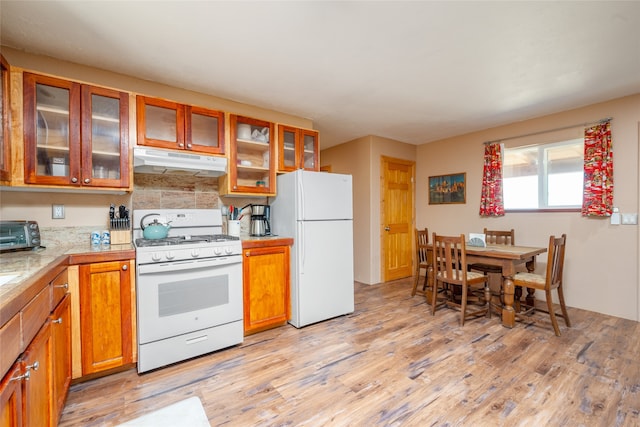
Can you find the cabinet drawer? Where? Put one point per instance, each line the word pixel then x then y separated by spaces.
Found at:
pixel 10 339
pixel 35 314
pixel 59 288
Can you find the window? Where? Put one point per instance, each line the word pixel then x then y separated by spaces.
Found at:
pixel 548 176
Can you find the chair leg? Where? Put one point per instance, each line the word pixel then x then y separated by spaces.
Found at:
pixel 563 307
pixel 415 283
pixel 552 313
pixel 463 305
pixel 487 297
pixel 434 294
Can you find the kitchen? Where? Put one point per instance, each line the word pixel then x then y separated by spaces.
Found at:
pixel 82 209
pixel 137 336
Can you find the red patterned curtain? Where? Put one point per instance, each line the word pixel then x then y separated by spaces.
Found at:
pixel 491 202
pixel 597 198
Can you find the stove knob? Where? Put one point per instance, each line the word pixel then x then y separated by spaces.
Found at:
pixel 170 255
pixel 217 251
pixel 156 256
pixel 228 250
pixel 195 253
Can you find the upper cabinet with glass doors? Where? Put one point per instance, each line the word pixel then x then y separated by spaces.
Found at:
pixel 252 168
pixel 75 134
pixel 168 124
pixel 297 149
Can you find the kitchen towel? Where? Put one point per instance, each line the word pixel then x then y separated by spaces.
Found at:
pixel 186 413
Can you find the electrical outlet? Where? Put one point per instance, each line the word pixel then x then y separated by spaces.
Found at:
pixel 57 211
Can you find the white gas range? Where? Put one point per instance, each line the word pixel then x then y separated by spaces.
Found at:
pixel 189 286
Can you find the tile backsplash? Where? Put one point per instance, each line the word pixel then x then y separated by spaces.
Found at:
pixel 174 192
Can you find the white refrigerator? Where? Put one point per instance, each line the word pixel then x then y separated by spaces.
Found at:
pixel 316 209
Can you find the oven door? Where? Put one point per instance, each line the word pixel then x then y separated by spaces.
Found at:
pixel 179 297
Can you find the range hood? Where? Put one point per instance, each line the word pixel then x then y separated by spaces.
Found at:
pixel 151 160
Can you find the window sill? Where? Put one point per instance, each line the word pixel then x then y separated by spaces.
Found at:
pixel 548 210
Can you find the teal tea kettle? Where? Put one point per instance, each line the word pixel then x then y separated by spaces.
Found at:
pixel 155 229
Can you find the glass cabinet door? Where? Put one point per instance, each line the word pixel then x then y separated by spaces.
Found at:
pixel 310 150
pixel 104 137
pixel 287 149
pixel 160 123
pixel 52 131
pixel 204 130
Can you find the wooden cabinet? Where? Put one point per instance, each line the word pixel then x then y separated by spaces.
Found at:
pixel 106 326
pixel 168 124
pixel 251 158
pixel 36 390
pixel 297 149
pixel 5 131
pixel 11 397
pixel 75 134
pixel 266 287
pixel 60 355
pixel 26 390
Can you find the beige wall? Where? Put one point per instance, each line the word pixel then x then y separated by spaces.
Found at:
pixel 361 158
pixel 601 266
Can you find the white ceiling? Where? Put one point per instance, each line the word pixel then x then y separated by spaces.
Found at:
pixel 414 71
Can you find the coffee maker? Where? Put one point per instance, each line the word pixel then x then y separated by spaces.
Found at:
pixel 260 220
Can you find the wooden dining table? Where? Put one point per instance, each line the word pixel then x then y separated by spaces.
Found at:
pixel 508 258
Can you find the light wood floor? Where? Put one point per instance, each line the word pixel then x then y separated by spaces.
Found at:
pixel 391 363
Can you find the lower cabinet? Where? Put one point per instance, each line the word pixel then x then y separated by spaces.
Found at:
pixel 34 390
pixel 37 387
pixel 106 315
pixel 11 397
pixel 61 354
pixel 266 287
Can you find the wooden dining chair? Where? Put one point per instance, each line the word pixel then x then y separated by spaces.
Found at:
pixel 422 260
pixel 451 271
pixel 495 237
pixel 551 280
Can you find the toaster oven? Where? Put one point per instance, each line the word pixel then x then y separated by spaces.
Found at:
pixel 19 235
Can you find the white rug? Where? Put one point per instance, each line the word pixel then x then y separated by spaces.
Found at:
pixel 187 413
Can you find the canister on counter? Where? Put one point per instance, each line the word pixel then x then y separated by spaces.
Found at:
pixel 105 239
pixel 95 238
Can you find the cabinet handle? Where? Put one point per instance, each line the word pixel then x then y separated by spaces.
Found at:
pixel 74 179
pixel 24 376
pixel 189 145
pixel 181 145
pixel 65 286
pixel 58 320
pixel 125 267
pixel 387 228
pixel 35 366
pixel 87 180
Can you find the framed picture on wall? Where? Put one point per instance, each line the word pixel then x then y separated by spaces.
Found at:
pixel 444 189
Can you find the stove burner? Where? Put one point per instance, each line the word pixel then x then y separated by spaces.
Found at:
pixel 185 240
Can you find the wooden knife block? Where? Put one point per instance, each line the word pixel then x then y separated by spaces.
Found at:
pixel 120 237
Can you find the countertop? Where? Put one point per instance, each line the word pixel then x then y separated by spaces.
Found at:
pixel 249 242
pixel 23 273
